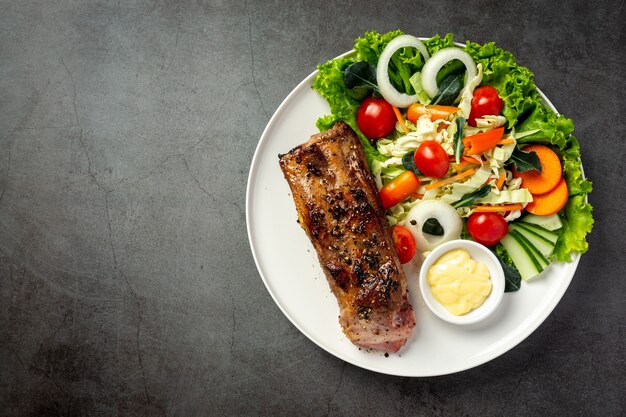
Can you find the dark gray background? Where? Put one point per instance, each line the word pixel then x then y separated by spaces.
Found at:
pixel 127 286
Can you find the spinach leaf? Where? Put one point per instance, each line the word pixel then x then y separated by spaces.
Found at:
pixel 449 89
pixel 458 139
pixel 512 277
pixel 432 227
pixel 453 67
pixel 469 198
pixel 408 162
pixel 525 161
pixel 360 74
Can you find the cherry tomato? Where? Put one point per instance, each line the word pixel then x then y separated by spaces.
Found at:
pixel 404 243
pixel 399 189
pixel 431 159
pixel 487 228
pixel 376 118
pixel 485 102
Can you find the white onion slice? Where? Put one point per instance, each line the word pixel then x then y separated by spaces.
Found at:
pixel 388 91
pixel 438 60
pixel 445 214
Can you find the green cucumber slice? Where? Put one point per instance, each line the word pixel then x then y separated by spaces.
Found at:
pixel 543 245
pixel 550 236
pixel 552 222
pixel 537 256
pixel 521 258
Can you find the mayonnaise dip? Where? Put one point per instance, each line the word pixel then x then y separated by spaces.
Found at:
pixel 458 282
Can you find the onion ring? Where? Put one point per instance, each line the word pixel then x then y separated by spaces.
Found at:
pixel 445 214
pixel 388 91
pixel 438 60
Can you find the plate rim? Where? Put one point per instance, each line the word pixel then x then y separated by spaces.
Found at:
pixel 497 352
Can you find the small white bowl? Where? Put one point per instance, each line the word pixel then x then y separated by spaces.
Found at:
pixel 479 253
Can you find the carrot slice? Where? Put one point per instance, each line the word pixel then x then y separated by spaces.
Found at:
pixel 481 142
pixel 506 142
pixel 550 175
pixel 400 119
pixel 436 112
pixel 500 181
pixel 498 208
pixel 551 202
pixel 463 164
pixel 454 178
pixel 472 160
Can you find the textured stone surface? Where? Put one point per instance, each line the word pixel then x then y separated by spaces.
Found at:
pixel 126 282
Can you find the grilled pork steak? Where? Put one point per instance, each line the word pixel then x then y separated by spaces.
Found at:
pixel 339 209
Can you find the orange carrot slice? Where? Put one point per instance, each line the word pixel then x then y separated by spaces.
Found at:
pixel 498 208
pixel 506 142
pixel 400 119
pixel 463 164
pixel 436 112
pixel 454 178
pixel 472 160
pixel 550 175
pixel 500 181
pixel 481 142
pixel 551 202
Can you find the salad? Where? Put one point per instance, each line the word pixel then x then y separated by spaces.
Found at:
pixel 461 145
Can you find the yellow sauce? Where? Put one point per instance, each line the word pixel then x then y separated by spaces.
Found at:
pixel 458 282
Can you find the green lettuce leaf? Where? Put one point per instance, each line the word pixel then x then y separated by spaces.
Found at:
pixel 576 184
pixel 552 129
pixel 577 222
pixel 577 216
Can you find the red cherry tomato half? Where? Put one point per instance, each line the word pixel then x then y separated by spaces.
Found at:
pixel 487 228
pixel 404 243
pixel 431 159
pixel 376 118
pixel 485 102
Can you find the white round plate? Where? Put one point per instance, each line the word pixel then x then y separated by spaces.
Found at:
pixel 291 272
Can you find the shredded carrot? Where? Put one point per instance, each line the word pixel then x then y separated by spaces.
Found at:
pixel 400 119
pixel 417 195
pixel 498 208
pixel 506 142
pixel 500 182
pixel 454 178
pixel 472 160
pixel 463 164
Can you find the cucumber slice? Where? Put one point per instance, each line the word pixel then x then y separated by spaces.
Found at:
pixel 543 245
pixel 552 222
pixel 538 259
pixel 523 260
pixel 548 235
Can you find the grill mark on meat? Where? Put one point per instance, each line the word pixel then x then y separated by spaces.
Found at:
pixel 339 209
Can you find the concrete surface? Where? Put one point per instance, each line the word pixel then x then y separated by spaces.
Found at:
pixel 127 286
